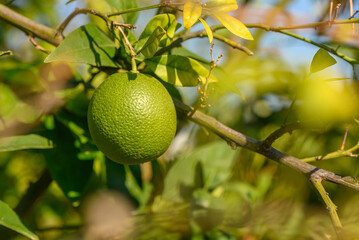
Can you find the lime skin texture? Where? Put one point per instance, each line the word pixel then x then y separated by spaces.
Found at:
pixel 132 118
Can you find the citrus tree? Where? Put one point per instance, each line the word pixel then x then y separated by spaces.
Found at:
pixel 215 119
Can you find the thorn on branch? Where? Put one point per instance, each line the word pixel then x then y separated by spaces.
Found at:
pixel 37 46
pixel 353 15
pixel 231 143
pixel 344 138
pixel 331 12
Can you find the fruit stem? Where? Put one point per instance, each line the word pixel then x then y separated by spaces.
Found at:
pixel 134 65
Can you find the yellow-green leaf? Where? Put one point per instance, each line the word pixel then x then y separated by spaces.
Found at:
pixel 86 44
pixel 9 219
pixel 179 70
pixel 168 22
pixel 191 12
pixel 234 25
pixel 321 60
pixel 208 30
pixel 221 6
pixel 152 43
pixel 30 141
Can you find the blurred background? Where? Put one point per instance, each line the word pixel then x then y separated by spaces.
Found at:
pixel 200 188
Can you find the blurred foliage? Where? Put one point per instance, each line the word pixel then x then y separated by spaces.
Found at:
pixel 201 188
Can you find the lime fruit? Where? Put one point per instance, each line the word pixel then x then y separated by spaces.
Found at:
pixel 132 118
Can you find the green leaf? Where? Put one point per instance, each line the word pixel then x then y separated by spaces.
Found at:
pixel 185 52
pixel 152 43
pixel 168 22
pixel 71 173
pixel 6 53
pixel 142 195
pixel 9 219
pixel 86 44
pixel 234 25
pixel 215 160
pixel 208 30
pixel 178 70
pixel 121 5
pixel 191 12
pixel 223 6
pixel 321 60
pixel 116 176
pixel 31 141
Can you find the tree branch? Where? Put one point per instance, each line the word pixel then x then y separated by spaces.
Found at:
pixel 331 50
pixel 238 139
pixel 336 154
pixel 331 207
pixel 139 9
pixel 302 26
pixel 30 27
pixel 267 143
pixel 78 11
pixel 202 34
pixel 33 193
pixel 293 35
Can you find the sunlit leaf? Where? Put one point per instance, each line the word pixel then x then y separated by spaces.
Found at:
pixel 86 44
pixel 6 53
pixel 191 12
pixel 152 43
pixel 178 70
pixel 208 30
pixel 234 25
pixel 31 141
pixel 9 219
pixel 321 60
pixel 185 52
pixel 168 22
pixel 121 5
pixel 223 6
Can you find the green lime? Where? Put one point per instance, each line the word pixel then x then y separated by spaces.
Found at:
pixel 132 118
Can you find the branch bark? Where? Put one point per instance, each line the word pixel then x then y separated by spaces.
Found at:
pixel 238 139
pixel 30 27
pixel 331 207
pixel 33 193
